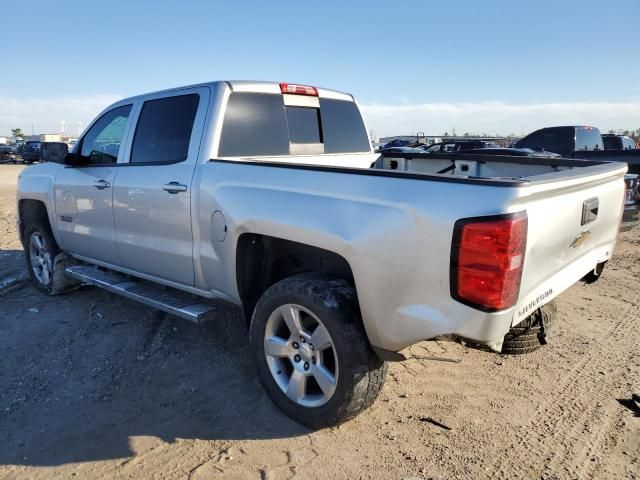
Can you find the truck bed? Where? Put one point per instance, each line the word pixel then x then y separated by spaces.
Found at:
pixel 392 218
pixel 473 166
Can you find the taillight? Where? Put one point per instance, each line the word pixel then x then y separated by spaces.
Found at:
pixel 293 89
pixel 487 256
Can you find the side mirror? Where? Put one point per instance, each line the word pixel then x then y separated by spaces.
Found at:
pixel 55 152
pixel 72 159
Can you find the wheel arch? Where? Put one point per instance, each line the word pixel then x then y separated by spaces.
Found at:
pixel 29 210
pixel 263 260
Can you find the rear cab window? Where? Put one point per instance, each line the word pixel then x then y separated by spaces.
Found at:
pixel 588 138
pixel 269 124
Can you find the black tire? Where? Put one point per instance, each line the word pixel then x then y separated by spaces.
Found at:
pixel 58 282
pixel 527 336
pixel 595 274
pixel 362 373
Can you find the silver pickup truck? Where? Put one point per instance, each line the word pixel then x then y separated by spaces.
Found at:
pixel 269 196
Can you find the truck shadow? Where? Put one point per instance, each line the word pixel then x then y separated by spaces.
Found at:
pixel 85 373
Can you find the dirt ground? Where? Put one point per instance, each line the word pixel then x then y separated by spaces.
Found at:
pixel 95 386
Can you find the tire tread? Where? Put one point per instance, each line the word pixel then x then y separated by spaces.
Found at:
pixel 368 374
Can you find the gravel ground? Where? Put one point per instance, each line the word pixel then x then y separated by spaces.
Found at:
pixel 95 386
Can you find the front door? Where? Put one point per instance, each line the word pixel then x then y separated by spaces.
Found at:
pixel 152 194
pixel 84 194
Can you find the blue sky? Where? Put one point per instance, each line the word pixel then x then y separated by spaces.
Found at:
pixel 494 66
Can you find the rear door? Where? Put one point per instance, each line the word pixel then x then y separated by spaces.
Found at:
pixel 152 193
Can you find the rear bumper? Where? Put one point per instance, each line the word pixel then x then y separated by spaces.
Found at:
pixel 413 323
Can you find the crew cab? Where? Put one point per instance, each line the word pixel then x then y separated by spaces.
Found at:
pixel 268 196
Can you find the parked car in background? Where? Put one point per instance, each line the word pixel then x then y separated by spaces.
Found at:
pixel 583 142
pixel 516 152
pixel 631 214
pixel 457 146
pixel 579 141
pixel 618 142
pixel 8 153
pixel 30 152
pixel 400 150
pixel 393 144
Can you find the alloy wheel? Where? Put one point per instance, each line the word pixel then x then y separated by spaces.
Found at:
pixel 301 355
pixel 40 259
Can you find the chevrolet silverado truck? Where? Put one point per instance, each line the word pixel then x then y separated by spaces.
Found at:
pixel 269 196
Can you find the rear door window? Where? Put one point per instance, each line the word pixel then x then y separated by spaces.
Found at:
pixel 164 130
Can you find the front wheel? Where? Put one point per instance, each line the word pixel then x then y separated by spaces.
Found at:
pixel 312 353
pixel 45 261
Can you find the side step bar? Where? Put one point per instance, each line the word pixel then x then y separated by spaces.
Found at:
pixel 170 300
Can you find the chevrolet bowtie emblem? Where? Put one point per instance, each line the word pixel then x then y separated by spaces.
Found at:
pixel 580 239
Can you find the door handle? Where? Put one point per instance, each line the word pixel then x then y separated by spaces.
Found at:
pixel 101 184
pixel 174 187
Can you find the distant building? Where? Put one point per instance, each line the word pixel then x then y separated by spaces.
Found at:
pixel 43 137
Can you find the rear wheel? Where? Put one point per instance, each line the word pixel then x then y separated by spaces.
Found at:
pixel 531 333
pixel 311 351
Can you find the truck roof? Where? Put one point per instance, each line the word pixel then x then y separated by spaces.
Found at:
pixel 246 86
pixel 569 126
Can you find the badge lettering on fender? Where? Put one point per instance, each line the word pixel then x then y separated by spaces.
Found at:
pixel 66 218
pixel 533 304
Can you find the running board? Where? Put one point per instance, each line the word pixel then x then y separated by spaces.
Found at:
pixel 170 300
